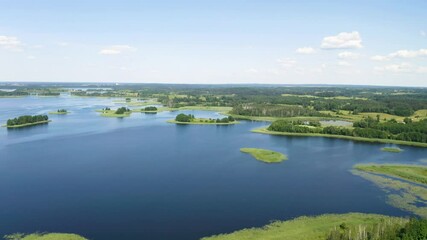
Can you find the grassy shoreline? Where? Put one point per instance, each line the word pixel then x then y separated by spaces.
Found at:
pixel 307 228
pixel 360 139
pixel 412 173
pixel 265 155
pixel 27 124
pixel 197 121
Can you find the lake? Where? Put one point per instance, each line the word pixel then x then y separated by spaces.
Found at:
pixel 143 178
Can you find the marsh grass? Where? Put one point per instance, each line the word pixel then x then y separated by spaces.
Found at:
pixel 391 149
pixel 310 228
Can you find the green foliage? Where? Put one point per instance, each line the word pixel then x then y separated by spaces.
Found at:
pixel 184 117
pixel 62 111
pixel 366 128
pixel 268 110
pixel 122 110
pixel 416 229
pixel 26 119
pixel 150 108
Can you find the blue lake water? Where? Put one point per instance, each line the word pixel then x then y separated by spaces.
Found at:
pixel 143 178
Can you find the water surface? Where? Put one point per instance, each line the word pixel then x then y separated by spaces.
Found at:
pixel 143 178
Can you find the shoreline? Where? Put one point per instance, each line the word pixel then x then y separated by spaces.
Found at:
pixel 200 123
pixel 27 124
pixel 264 130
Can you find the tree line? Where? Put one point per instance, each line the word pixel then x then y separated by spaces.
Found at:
pixel 367 128
pixel 27 119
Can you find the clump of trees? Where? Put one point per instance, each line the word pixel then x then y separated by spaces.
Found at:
pixel 106 109
pixel 386 230
pixel 269 110
pixel 225 119
pixel 184 117
pixel 150 108
pixel 62 111
pixel 122 110
pixel 367 128
pixel 27 119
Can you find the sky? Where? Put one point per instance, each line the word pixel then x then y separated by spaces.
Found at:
pixel 363 42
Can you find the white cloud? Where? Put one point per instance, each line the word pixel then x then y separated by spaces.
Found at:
pixel 343 40
pixel 252 70
pixel 423 33
pixel 380 58
pixel 400 68
pixel 63 44
pixel 409 53
pixel 116 49
pixel 348 55
pixel 305 50
pixel 401 54
pixel 286 62
pixel 344 64
pixel 31 57
pixel 10 43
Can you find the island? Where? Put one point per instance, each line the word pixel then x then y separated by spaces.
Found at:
pixel 59 112
pixel 191 119
pixel 391 149
pixel 265 155
pixel 120 112
pixel 150 109
pixel 26 120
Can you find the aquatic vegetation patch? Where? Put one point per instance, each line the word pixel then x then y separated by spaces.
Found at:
pixel 44 236
pixel 265 155
pixel 391 149
pixel 404 195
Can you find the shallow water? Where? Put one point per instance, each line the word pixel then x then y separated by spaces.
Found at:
pixel 143 178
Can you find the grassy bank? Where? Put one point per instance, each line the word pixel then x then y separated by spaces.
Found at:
pixel 47 236
pixel 413 173
pixel 265 155
pixel 376 140
pixel 201 121
pixel 27 124
pixel 391 149
pixel 308 228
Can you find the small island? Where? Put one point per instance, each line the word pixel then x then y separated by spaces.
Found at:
pixel 391 149
pixel 150 109
pixel 191 119
pixel 265 155
pixel 60 112
pixel 120 112
pixel 26 120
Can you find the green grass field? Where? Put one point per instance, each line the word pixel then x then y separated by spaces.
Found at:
pixel 265 155
pixel 413 173
pixel 27 124
pixel 391 149
pixel 307 228
pixel 201 121
pixel 47 236
pixel 377 140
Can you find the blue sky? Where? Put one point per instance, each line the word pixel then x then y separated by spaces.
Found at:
pixel 286 42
